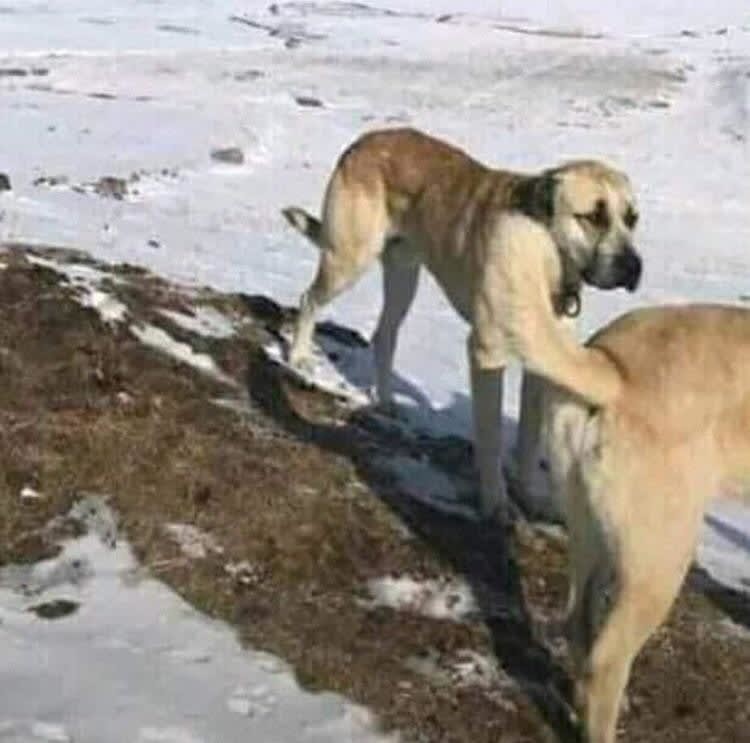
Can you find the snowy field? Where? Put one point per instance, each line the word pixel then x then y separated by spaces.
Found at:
pixel 153 88
pixel 145 91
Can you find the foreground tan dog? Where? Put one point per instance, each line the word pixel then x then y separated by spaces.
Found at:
pixel 670 430
pixel 509 250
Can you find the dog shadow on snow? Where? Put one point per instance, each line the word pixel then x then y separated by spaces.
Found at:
pixel 355 365
pixel 478 551
pixel 734 603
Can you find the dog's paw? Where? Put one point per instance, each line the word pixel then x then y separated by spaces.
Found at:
pixel 302 363
pixel 495 510
pixel 392 410
pixel 386 408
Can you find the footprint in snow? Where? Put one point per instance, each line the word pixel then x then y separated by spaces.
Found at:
pixel 189 655
pixel 34 731
pixel 50 732
pixel 167 735
pixel 255 702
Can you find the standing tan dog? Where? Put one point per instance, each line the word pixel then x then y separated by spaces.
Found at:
pixel 509 250
pixel 670 429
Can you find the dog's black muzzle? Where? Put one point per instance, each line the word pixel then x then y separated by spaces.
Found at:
pixel 628 267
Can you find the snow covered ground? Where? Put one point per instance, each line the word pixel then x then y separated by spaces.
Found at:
pixel 145 91
pixel 153 88
pixel 133 663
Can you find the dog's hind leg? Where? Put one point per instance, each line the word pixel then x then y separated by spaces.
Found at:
pixel 400 278
pixel 592 586
pixel 634 616
pixel 651 553
pixel 334 275
pixel 353 233
pixel 608 668
pixel 591 564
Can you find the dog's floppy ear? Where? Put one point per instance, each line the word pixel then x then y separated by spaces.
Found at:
pixel 534 196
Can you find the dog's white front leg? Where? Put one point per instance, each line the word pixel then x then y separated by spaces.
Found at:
pixel 486 398
pixel 531 446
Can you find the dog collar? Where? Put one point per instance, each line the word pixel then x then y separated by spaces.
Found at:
pixel 568 303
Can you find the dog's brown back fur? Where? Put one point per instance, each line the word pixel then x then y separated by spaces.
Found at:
pixel 431 188
pixel 682 369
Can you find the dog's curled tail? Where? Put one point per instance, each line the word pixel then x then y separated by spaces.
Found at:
pixel 304 222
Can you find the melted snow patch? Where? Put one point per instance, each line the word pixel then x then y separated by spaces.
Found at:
pixel 136 648
pixel 75 272
pixel 86 281
pixel 205 320
pixel 162 341
pixel 29 493
pixel 440 598
pixel 465 668
pixel 193 542
pixel 321 371
pixel 110 310
pixel 474 669
pixel 243 572
pixel 95 514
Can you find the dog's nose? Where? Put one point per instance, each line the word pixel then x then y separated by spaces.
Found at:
pixel 630 268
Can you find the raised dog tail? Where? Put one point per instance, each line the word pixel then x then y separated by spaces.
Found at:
pixel 305 223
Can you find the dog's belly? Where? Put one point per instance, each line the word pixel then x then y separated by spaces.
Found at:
pixel 450 274
pixel 457 293
pixel 450 270
pixel 449 246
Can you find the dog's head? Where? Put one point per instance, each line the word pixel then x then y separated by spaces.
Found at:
pixel 590 211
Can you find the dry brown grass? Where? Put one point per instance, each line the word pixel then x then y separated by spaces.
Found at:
pixel 293 487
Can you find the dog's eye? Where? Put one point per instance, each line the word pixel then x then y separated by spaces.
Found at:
pixel 598 217
pixel 631 218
